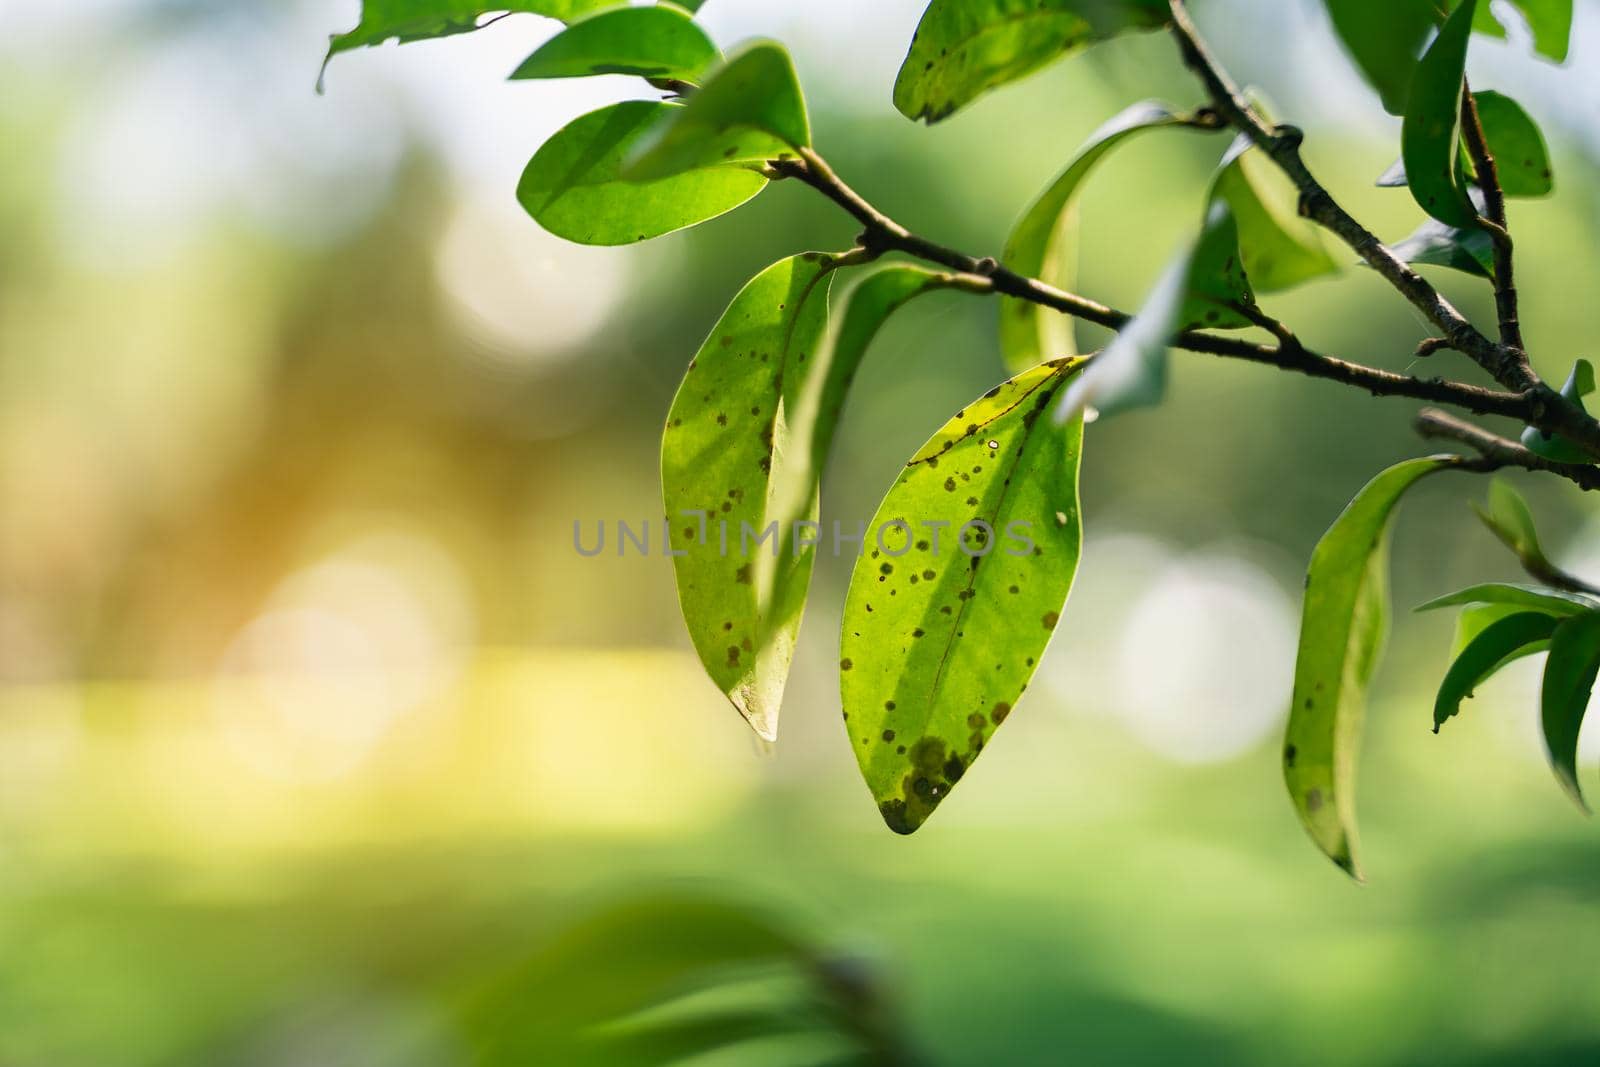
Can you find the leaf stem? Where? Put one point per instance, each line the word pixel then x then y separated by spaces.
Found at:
pixel 1494 203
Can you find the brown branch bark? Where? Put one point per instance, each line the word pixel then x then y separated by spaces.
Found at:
pixel 1494 204
pixel 1497 451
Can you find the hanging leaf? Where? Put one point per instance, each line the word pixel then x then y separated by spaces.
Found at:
pixel 748 111
pixel 964 48
pixel 1279 249
pixel 1569 675
pixel 1201 285
pixel 419 20
pixel 1384 37
pixel 1580 383
pixel 1510 519
pixel 1501 642
pixel 1343 625
pixel 738 475
pixel 574 188
pixel 651 42
pixel 1044 243
pixel 1430 136
pixel 967 565
pixel 1521 157
pixel 1550 22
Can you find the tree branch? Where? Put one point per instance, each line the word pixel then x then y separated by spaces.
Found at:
pixel 1494 203
pixel 1498 451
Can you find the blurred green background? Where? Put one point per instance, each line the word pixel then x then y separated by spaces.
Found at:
pixel 319 744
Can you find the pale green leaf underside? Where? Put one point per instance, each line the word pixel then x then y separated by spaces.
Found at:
pixel 749 110
pixel 941 633
pixel 1580 383
pixel 573 184
pixel 651 42
pixel 1343 624
pixel 1044 244
pixel 1435 244
pixel 419 20
pixel 963 48
pixel 1430 136
pixel 1569 675
pixel 1279 248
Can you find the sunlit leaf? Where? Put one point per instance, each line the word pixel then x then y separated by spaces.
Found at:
pixel 1569 675
pixel 739 481
pixel 1550 601
pixel 749 110
pixel 1044 243
pixel 1430 137
pixel 1550 22
pixel 1501 642
pixel 1343 624
pixel 1279 248
pixel 963 48
pixel 651 42
pixel 1384 37
pixel 967 565
pixel 573 184
pixel 1580 383
pixel 1201 285
pixel 1510 519
pixel 418 20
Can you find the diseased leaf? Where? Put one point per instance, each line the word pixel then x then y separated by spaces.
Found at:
pixel 1550 22
pixel 1202 285
pixel 1569 675
pixel 1384 37
pixel 963 48
pixel 1430 136
pixel 418 20
pixel 739 481
pixel 1279 248
pixel 946 619
pixel 1044 243
pixel 1501 642
pixel 1343 625
pixel 1522 161
pixel 1436 244
pixel 749 110
pixel 1550 601
pixel 1580 383
pixel 573 184
pixel 651 42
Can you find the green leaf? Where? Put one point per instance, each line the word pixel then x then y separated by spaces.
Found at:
pixel 1510 519
pixel 652 42
pixel 691 6
pixel 1435 244
pixel 748 111
pixel 1501 642
pixel 1550 601
pixel 738 448
pixel 1430 136
pixel 419 20
pixel 1343 625
pixel 964 48
pixel 1580 383
pixel 1550 22
pixel 1569 675
pixel 1201 284
pixel 1476 618
pixel 1522 160
pixel 1044 243
pixel 1384 37
pixel 573 184
pixel 1279 248
pixel 945 620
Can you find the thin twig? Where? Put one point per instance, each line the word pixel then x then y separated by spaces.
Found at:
pixel 1494 204
pixel 1499 451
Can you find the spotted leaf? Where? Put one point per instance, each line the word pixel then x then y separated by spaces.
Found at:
pixel 964 572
